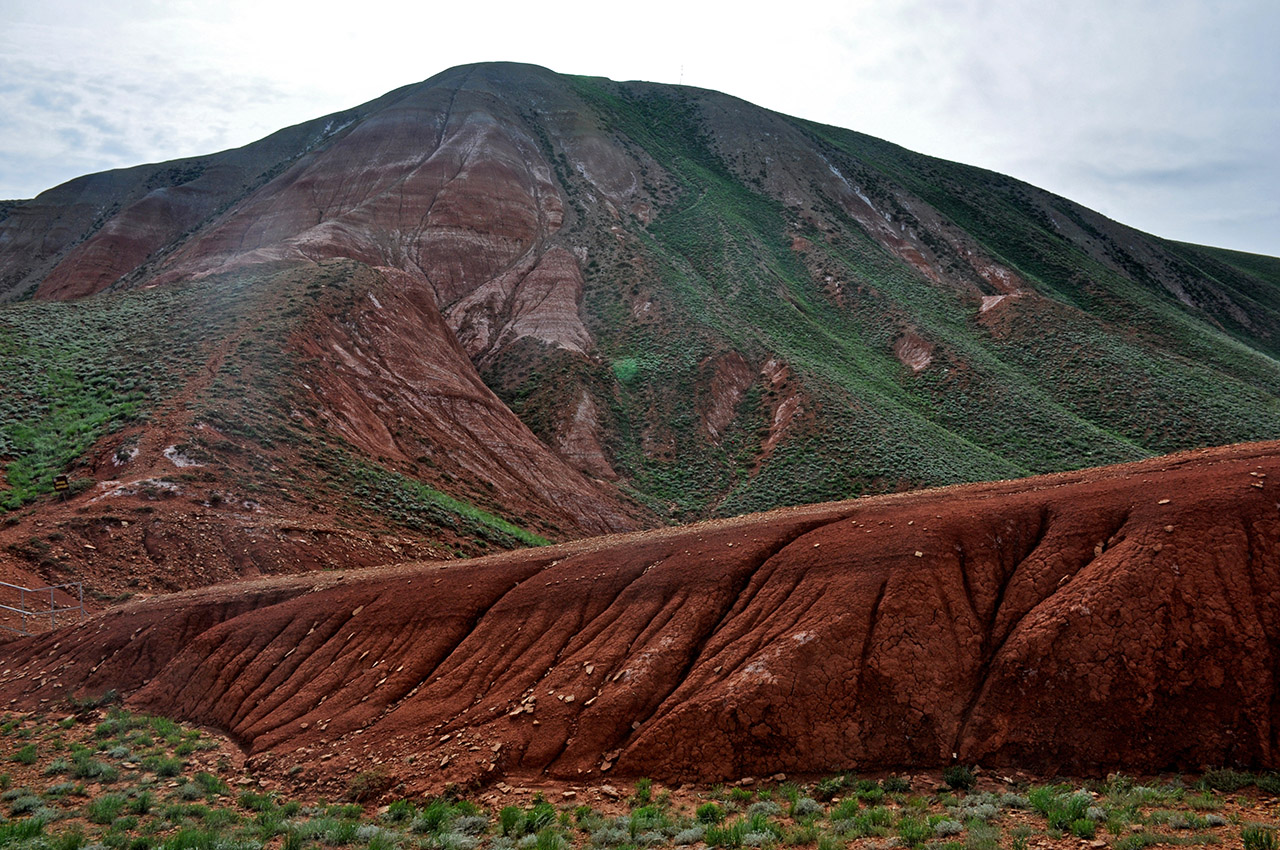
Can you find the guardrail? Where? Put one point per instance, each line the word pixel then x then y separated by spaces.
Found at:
pixel 31 611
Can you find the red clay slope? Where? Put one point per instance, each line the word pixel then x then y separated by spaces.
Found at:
pixel 1117 617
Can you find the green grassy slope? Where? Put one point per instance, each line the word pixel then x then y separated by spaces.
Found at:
pixel 1104 366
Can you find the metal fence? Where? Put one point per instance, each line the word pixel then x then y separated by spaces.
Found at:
pixel 26 610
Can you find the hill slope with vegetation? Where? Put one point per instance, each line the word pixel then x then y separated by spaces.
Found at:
pixel 506 305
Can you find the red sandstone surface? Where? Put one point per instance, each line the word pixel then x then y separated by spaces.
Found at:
pixel 1122 617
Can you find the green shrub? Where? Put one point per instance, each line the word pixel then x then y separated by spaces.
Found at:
pixel 1258 838
pixel 72 839
pixel 511 821
pixel 105 809
pixel 1083 828
pixel 433 817
pixel 846 809
pixel 256 802
pixel 163 765
pixel 828 788
pixel 646 819
pixel 400 811
pixel 959 777
pixel 368 785
pixel 869 791
pixel 1204 802
pixel 210 784
pixel 142 803
pixel 725 835
pixel 1059 807
pixel 550 839
pixel 874 820
pixel 191 839
pixel 25 755
pixel 914 831
pixel 643 791
pixel 1226 779
pixel 84 766
pixel 709 813
pixel 293 840
pixel 18 831
pixel 218 818
pixel 539 817
pixel 340 834
pixel 896 784
pixel 800 834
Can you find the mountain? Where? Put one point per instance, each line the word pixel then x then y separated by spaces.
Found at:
pixel 504 306
pixel 1084 622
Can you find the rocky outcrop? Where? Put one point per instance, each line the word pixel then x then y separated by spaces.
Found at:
pixel 1125 617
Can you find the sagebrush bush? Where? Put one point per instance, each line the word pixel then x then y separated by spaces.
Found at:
pixel 611 835
pixel 805 807
pixel 685 837
pixel 456 841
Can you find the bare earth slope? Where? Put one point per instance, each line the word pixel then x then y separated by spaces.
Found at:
pixel 1126 615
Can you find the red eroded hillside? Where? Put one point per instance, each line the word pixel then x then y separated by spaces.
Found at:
pixel 262 458
pixel 1121 617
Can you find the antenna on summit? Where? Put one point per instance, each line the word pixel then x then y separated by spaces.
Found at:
pixel 682 75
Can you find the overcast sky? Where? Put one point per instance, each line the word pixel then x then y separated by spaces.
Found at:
pixel 1164 115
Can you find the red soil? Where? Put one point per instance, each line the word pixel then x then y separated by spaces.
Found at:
pixel 1118 617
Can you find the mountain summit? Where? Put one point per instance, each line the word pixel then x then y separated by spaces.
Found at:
pixel 505 305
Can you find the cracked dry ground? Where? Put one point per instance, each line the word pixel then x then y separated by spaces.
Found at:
pixel 1122 617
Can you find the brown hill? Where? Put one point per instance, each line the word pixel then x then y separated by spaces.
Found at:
pixel 1125 616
